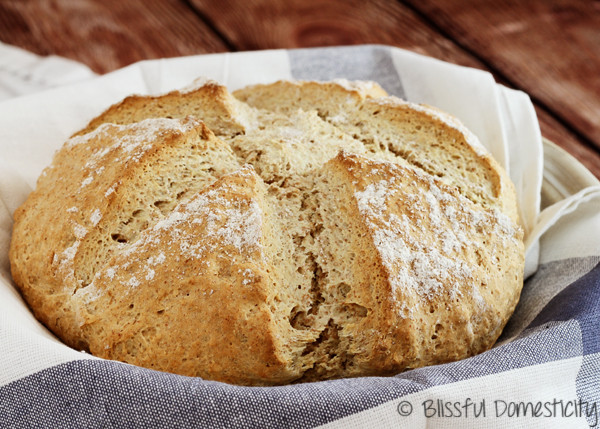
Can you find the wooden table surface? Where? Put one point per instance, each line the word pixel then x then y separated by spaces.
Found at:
pixel 547 48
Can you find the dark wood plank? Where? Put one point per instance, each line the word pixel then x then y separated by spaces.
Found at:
pixel 106 34
pixel 570 142
pixel 550 49
pixel 270 24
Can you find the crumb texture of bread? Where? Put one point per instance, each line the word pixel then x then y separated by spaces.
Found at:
pixel 288 232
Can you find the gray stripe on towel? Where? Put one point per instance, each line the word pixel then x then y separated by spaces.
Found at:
pixel 363 62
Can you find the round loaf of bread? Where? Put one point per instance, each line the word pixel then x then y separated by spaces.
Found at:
pixel 296 231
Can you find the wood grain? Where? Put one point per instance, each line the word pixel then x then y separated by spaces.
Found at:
pixel 554 131
pixel 106 35
pixel 551 49
pixel 269 24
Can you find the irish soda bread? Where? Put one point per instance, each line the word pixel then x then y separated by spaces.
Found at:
pixel 288 232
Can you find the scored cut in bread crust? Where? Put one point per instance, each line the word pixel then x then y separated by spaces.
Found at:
pixel 207 306
pixel 298 231
pixel 424 136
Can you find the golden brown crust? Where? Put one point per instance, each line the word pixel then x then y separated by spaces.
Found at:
pixel 100 190
pixel 199 308
pixel 440 273
pixel 324 97
pixel 208 101
pixel 367 236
